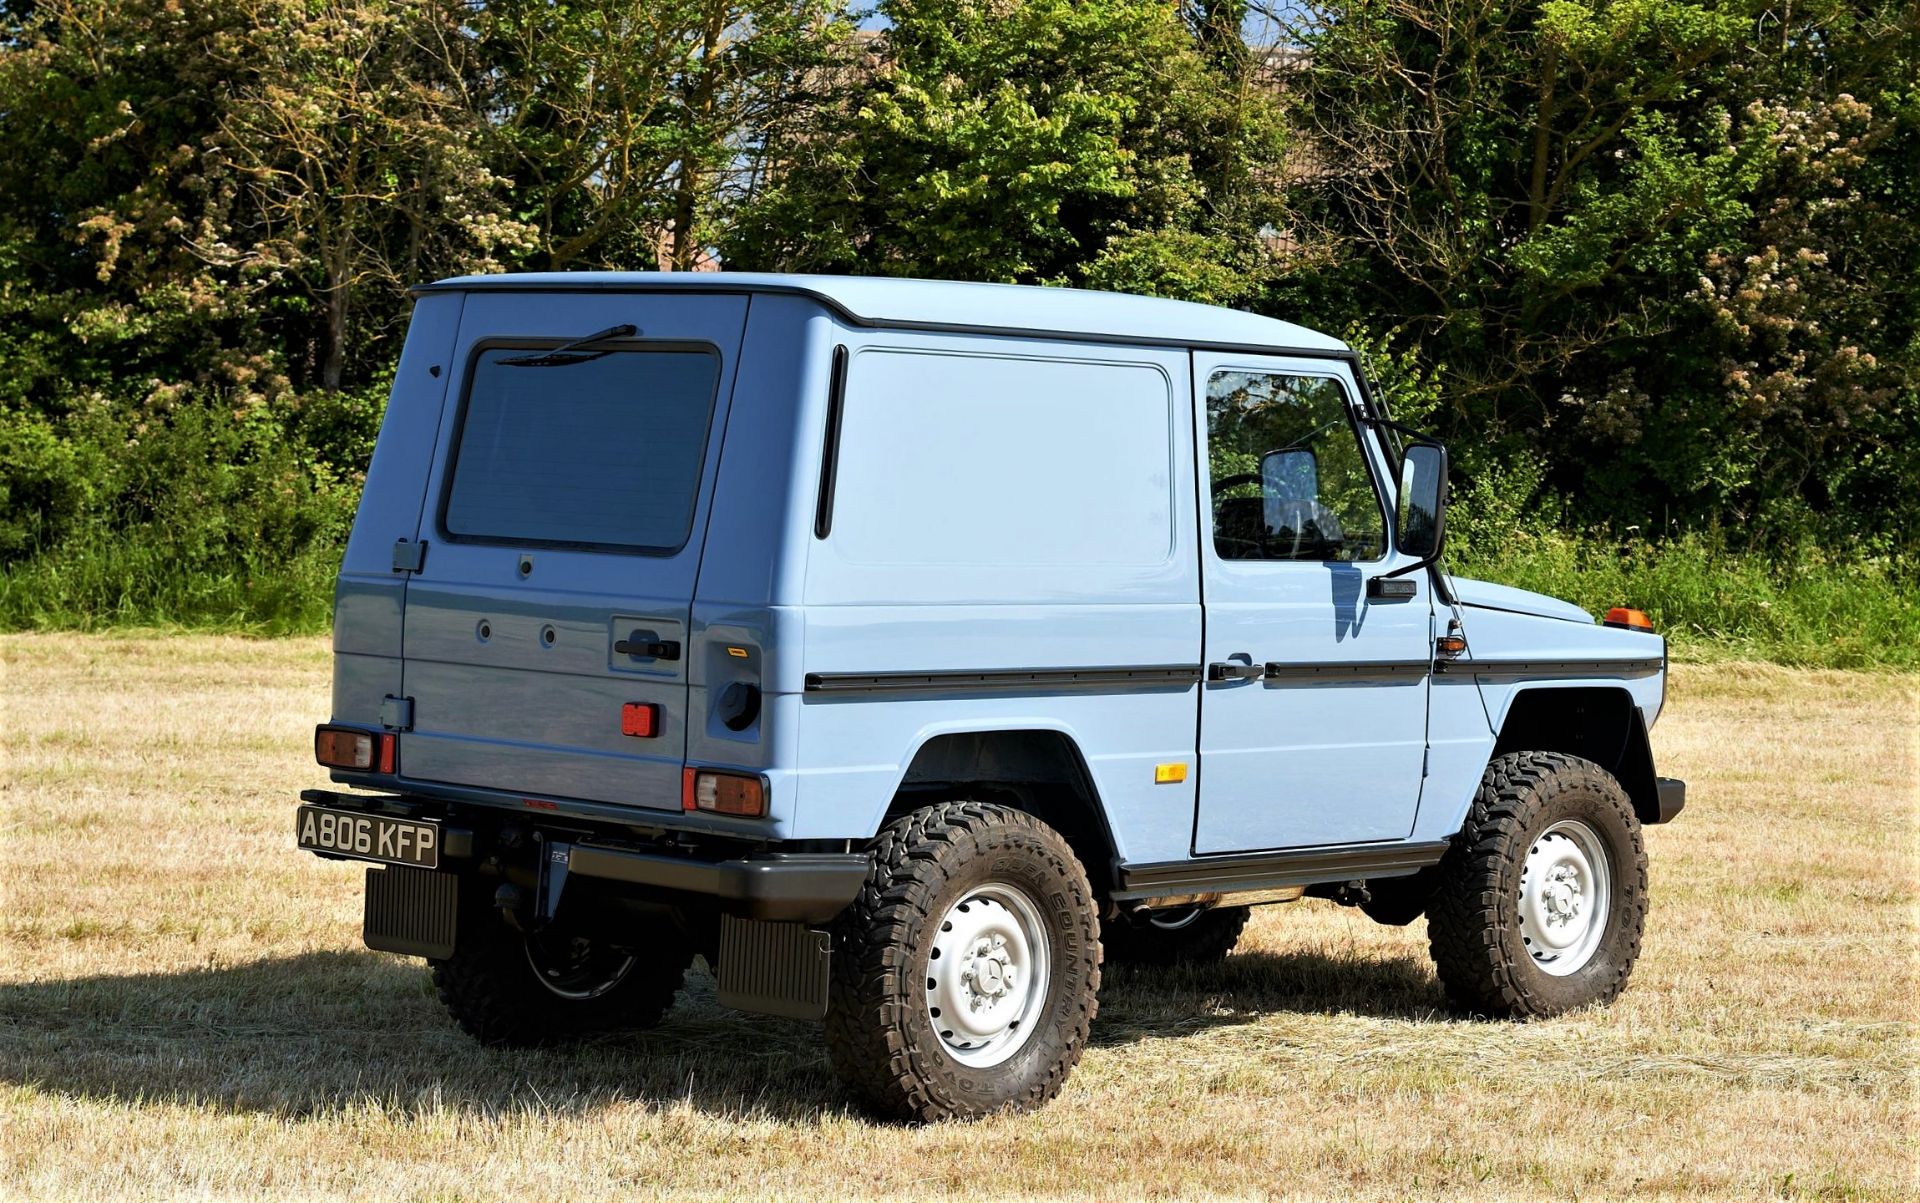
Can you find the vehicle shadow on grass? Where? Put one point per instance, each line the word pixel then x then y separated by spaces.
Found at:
pixel 1147 1002
pixel 329 1032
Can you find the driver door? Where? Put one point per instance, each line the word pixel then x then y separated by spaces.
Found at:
pixel 1313 718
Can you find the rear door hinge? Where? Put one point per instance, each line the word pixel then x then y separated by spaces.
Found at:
pixel 409 556
pixel 396 714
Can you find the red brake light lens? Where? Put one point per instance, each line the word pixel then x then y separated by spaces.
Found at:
pixel 640 720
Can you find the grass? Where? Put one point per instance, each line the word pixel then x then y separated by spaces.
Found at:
pixel 122 581
pixel 1809 609
pixel 186 1011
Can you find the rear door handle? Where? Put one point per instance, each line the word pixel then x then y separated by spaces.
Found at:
pixel 1229 671
pixel 659 649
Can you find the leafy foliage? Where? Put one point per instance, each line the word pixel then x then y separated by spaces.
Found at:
pixel 1649 265
pixel 1665 246
pixel 1040 141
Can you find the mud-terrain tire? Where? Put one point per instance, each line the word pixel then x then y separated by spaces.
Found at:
pixel 496 992
pixel 1549 838
pixel 965 974
pixel 1186 937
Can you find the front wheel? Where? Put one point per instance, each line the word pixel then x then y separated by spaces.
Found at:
pixel 1540 903
pixel 965 973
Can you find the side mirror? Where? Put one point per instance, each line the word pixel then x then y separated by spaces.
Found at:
pixel 1422 527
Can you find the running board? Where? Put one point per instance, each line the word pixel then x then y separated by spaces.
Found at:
pixel 1270 870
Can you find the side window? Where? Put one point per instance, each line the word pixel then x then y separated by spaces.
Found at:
pixel 1290 481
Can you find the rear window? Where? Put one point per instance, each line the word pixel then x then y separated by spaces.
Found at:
pixel 603 451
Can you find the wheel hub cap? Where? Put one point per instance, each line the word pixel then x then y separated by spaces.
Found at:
pixel 1566 888
pixel 987 974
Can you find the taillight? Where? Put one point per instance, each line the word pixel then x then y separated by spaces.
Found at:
pixel 723 793
pixel 641 720
pixel 343 748
pixel 1628 620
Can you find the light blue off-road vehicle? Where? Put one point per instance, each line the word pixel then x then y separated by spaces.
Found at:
pixel 907 648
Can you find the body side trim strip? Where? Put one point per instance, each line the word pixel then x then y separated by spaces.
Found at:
pixel 1355 670
pixel 1014 678
pixel 1554 668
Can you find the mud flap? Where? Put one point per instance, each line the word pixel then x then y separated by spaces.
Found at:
pixel 413 912
pixel 773 968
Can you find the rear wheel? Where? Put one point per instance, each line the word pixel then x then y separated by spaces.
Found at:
pixel 1181 936
pixel 504 987
pixel 1542 899
pixel 965 973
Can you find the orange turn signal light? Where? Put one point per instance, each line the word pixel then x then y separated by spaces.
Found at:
pixel 736 794
pixel 1628 620
pixel 346 748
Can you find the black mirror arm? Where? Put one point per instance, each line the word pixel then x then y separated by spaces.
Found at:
pixel 1418 436
pixel 1409 569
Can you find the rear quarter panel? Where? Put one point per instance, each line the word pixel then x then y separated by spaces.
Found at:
pixel 903 583
pixel 369 594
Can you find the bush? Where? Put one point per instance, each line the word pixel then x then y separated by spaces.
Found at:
pixel 181 511
pixel 1811 607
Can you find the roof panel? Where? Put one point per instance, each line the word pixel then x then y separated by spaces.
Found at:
pixel 950 304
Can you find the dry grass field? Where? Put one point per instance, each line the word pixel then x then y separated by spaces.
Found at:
pixel 186 1010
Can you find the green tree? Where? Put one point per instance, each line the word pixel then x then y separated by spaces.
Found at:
pixel 1034 140
pixel 626 125
pixel 1617 225
pixel 354 159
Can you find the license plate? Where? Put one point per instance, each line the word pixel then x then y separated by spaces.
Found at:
pixel 391 841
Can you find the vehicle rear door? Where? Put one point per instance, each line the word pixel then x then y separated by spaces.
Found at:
pixel 1313 719
pixel 545 637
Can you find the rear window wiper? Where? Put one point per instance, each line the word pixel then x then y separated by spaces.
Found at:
pixel 570 353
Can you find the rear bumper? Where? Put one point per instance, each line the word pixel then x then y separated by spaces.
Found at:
pixel 748 882
pixel 1671 795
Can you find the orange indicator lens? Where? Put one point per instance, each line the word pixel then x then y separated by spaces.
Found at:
pixel 725 794
pixel 343 748
pixel 1629 620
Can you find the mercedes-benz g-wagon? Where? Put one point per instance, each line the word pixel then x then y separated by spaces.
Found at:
pixel 906 648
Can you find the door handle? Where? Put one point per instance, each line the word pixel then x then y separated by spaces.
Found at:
pixel 1229 671
pixel 658 649
pixel 1390 588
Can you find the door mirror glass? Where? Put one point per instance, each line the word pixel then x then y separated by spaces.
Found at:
pixel 1422 528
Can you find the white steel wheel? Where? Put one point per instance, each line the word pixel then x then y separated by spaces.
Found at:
pixel 988 973
pixel 1566 895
